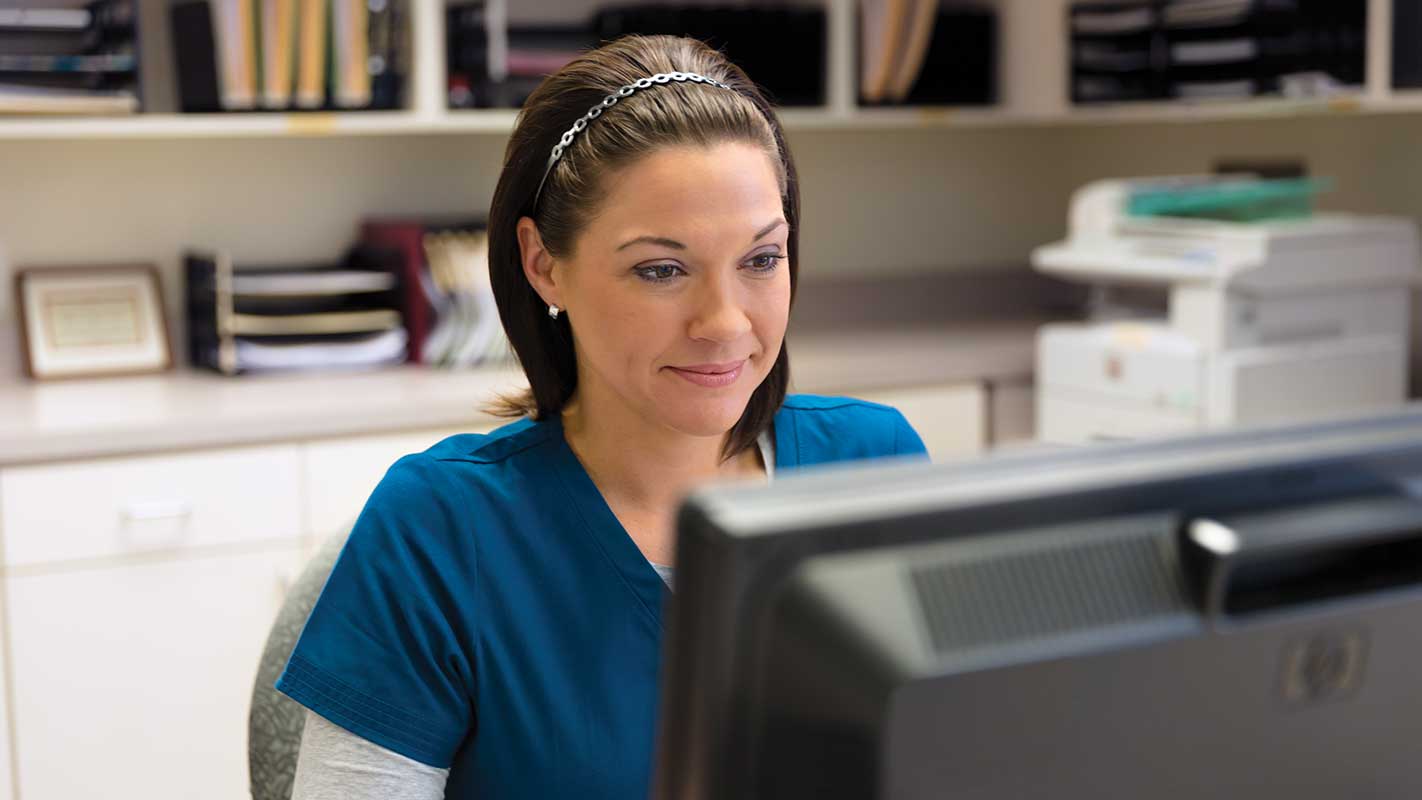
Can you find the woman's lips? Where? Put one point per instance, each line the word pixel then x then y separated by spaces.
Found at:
pixel 711 375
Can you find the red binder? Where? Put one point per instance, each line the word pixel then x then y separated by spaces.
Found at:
pixel 406 235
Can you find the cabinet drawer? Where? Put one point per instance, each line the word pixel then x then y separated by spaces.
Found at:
pixel 340 474
pixel 113 507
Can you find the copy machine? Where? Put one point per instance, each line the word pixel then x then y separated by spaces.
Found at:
pixel 1270 320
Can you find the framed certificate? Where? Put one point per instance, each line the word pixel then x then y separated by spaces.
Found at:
pixel 96 320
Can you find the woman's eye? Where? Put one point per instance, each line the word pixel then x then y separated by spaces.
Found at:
pixel 765 262
pixel 658 273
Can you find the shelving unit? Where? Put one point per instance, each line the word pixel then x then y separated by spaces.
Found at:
pixel 1032 77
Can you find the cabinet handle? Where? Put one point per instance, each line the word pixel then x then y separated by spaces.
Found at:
pixel 153 510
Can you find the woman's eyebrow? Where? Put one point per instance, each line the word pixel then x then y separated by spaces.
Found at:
pixel 661 240
pixel 675 245
pixel 767 229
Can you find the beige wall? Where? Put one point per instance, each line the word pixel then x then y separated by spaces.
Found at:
pixel 881 202
pixel 876 202
pixel 1374 161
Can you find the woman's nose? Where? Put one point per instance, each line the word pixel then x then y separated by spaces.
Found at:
pixel 720 315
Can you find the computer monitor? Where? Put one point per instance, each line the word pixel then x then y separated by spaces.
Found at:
pixel 1232 615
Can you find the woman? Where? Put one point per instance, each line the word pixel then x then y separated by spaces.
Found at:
pixel 492 628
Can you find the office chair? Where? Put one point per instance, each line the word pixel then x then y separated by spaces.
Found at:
pixel 275 721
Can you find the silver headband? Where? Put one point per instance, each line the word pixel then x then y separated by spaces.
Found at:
pixel 608 102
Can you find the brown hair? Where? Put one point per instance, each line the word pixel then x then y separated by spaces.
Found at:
pixel 663 115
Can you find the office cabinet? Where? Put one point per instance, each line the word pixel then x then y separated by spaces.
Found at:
pixel 140 593
pixel 950 418
pixel 133 680
pixel 128 506
pixel 6 772
pixel 140 590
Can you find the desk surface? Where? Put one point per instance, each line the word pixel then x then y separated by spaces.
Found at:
pixel 187 409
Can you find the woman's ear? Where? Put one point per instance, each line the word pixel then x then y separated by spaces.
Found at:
pixel 537 262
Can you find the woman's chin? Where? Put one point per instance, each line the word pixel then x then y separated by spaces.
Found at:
pixel 705 416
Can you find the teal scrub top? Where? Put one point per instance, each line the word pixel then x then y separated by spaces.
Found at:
pixel 490 615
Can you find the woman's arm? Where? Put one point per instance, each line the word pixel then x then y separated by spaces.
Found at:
pixel 335 764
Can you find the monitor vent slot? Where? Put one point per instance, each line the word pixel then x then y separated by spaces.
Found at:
pixel 1005 597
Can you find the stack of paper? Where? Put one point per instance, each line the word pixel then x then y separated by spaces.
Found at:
pixel 300 316
pixel 68 60
pixel 366 351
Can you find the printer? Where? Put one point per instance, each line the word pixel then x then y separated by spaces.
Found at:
pixel 1260 321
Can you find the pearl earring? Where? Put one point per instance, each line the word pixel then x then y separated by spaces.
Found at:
pixel 553 311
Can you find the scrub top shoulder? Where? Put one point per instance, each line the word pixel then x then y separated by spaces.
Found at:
pixel 490 615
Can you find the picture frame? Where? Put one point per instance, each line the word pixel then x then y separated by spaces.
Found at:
pixel 89 321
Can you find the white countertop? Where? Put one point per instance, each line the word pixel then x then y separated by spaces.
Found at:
pixel 188 409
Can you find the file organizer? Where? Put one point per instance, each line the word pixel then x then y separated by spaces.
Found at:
pixel 1117 52
pixel 253 318
pixel 75 59
pixel 1187 49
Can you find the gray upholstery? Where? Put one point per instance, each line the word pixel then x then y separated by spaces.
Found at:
pixel 275 720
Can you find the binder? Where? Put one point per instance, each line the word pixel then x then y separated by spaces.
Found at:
pixel 386 61
pixel 314 37
pixel 917 38
pixel 278 37
pixel 232 22
pixel 249 49
pixel 883 31
pixel 194 37
pixel 405 236
pixel 350 22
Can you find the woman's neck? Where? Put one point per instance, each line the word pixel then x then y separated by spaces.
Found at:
pixel 641 465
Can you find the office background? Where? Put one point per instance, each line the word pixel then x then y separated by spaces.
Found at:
pixel 954 199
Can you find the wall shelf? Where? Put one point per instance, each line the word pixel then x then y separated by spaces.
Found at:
pixel 1032 85
pixel 500 121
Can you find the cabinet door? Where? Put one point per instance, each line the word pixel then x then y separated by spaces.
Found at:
pixel 134 680
pixel 951 419
pixel 6 774
pixel 339 474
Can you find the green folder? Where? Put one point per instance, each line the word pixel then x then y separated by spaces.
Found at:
pixel 1232 201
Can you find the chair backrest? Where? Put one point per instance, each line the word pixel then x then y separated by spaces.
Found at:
pixel 275 721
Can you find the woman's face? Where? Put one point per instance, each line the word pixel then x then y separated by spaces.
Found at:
pixel 678 290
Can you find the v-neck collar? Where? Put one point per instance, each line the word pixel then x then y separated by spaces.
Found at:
pixel 612 539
